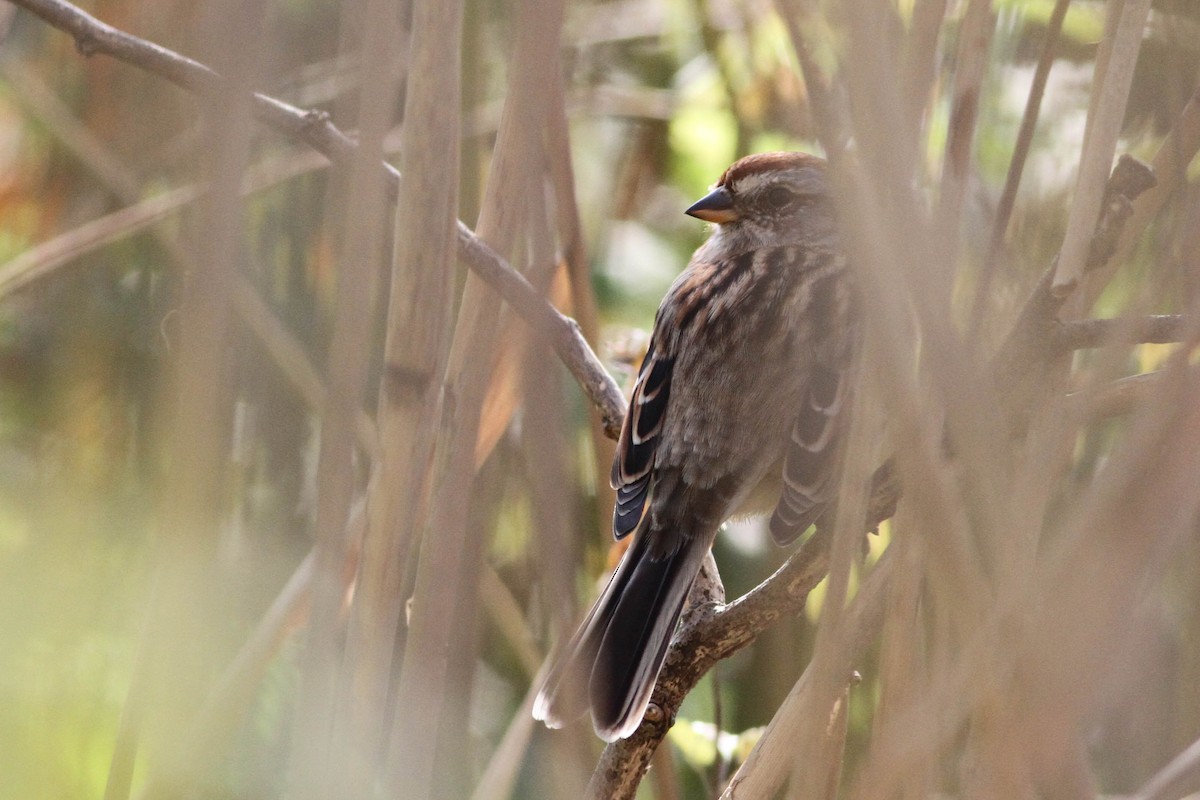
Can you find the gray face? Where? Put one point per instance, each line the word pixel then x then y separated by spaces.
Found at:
pixel 781 206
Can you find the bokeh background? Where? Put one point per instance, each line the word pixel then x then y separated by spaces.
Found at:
pixel 120 614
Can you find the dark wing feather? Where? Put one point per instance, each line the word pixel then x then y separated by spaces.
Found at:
pixel 632 467
pixel 812 455
pixel 612 662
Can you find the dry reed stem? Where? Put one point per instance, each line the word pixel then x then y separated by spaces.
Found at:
pixel 966 96
pixel 438 640
pixel 321 762
pixel 1105 115
pixel 411 397
pixel 1170 162
pixel 1016 165
pixel 920 67
pixel 197 438
pixel 770 762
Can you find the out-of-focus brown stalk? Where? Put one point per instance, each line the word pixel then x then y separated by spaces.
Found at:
pixel 970 68
pixel 1016 166
pixel 197 439
pixel 920 67
pixel 319 757
pixel 583 298
pixel 419 309
pixel 1104 125
pixel 902 667
pixel 1170 167
pixel 771 761
pixel 435 645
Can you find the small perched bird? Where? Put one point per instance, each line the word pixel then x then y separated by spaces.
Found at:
pixel 739 408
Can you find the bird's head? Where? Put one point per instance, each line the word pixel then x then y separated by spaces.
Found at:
pixel 770 198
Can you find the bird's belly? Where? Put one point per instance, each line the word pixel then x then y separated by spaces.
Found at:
pixel 760 497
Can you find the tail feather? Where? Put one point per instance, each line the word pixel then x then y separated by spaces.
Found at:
pixel 612 663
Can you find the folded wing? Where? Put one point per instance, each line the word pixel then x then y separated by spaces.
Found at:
pixel 813 454
pixel 632 469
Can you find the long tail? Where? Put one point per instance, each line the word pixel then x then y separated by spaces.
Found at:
pixel 612 662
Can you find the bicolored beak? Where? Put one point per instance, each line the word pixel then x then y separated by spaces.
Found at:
pixel 716 206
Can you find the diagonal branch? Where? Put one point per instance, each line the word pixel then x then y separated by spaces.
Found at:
pixel 712 631
pixel 315 129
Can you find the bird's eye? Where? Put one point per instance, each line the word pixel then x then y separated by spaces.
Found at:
pixel 781 197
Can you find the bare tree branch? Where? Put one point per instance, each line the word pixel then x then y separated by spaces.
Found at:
pixel 712 631
pixel 315 129
pixel 1089 333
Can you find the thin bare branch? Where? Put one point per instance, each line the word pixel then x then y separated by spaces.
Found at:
pixel 561 332
pixel 712 631
pixel 1089 333
pixel 1104 125
pixel 1016 166
pixel 316 130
